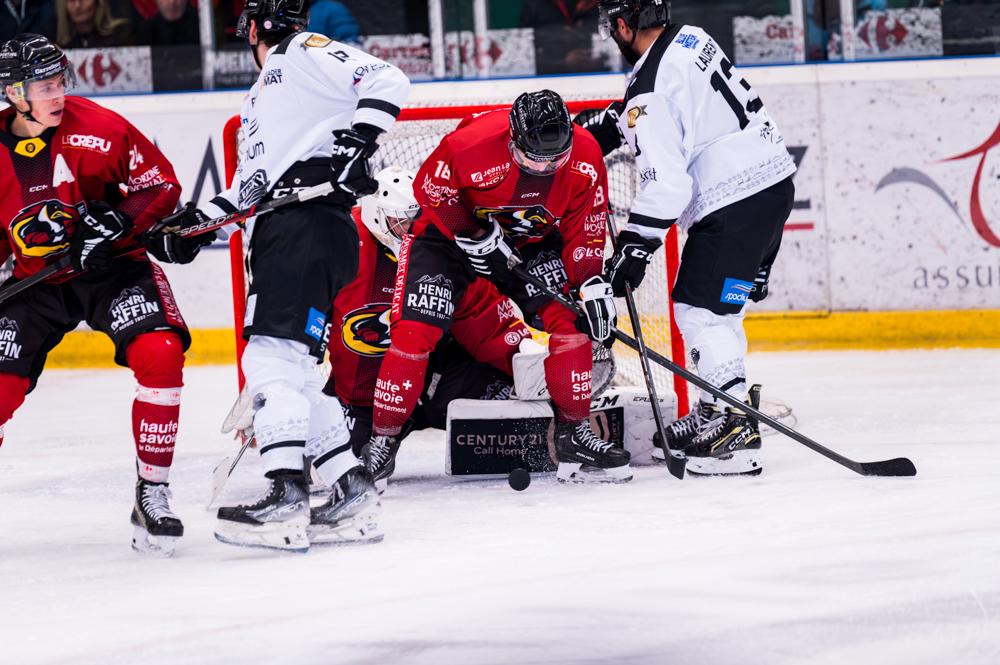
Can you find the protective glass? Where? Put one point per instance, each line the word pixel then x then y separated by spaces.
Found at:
pixel 605 26
pixel 538 166
pixel 52 87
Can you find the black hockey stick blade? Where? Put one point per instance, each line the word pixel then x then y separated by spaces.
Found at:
pixel 900 466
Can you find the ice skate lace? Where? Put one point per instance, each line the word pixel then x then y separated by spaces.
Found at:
pixel 379 451
pixel 156 502
pixel 686 425
pixel 713 430
pixel 587 437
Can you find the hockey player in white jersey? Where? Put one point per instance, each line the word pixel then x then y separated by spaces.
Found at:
pixel 313 115
pixel 709 156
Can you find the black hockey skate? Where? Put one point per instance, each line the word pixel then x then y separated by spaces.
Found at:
pixel 351 514
pixel 379 457
pixel 277 521
pixel 682 431
pixel 727 446
pixel 584 457
pixel 157 528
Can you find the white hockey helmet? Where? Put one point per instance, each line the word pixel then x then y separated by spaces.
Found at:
pixel 389 212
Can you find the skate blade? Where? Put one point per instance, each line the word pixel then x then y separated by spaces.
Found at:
pixel 740 463
pixel 381 484
pixel 658 455
pixel 161 547
pixel 359 530
pixel 287 536
pixel 575 472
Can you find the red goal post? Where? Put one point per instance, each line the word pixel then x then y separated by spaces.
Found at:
pixel 417 132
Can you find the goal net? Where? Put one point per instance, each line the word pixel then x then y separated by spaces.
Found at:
pixel 415 135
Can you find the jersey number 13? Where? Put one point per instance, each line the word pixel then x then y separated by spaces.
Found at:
pixel 724 86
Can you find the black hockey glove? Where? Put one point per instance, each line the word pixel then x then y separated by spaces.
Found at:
pixel 760 284
pixel 350 173
pixel 604 126
pixel 600 314
pixel 99 228
pixel 166 246
pixel 627 266
pixel 490 256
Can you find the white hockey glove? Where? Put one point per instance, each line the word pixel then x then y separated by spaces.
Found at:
pixel 490 256
pixel 599 310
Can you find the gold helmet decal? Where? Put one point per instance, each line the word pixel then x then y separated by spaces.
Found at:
pixel 40 229
pixel 366 330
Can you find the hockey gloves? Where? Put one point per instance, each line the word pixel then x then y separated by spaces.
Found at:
pixel 490 256
pixel 627 266
pixel 350 173
pixel 599 312
pixel 760 284
pixel 604 126
pixel 99 228
pixel 166 246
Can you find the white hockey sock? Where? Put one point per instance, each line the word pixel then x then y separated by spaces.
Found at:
pixel 717 348
pixel 329 441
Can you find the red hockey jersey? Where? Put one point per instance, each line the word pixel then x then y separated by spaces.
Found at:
pixel 470 177
pixel 485 323
pixel 93 155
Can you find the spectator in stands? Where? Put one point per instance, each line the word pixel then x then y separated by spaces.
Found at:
pixel 17 16
pixel 175 24
pixel 563 34
pixel 335 20
pixel 89 24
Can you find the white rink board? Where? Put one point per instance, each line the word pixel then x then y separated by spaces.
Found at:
pixel 850 245
pixel 807 563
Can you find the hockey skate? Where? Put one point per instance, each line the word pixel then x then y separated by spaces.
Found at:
pixel 728 446
pixel 586 458
pixel 682 431
pixel 379 457
pixel 157 528
pixel 277 521
pixel 351 514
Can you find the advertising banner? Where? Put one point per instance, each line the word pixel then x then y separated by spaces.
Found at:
pixel 113 70
pixel 760 41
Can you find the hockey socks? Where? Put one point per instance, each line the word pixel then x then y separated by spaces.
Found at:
pixel 397 389
pixel 12 391
pixel 157 360
pixel 568 370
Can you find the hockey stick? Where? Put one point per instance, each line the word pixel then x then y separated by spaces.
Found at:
pixel 676 462
pixel 900 466
pixel 40 276
pixel 224 469
pixel 167 225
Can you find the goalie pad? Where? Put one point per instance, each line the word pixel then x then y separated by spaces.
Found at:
pixel 529 370
pixel 494 438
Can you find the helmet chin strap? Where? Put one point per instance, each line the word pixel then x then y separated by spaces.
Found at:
pixel 253 50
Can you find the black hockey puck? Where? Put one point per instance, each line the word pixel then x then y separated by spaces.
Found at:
pixel 519 479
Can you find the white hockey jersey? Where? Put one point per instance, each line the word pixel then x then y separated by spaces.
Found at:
pixel 701 136
pixel 309 86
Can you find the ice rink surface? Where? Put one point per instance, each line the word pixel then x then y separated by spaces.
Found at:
pixel 807 563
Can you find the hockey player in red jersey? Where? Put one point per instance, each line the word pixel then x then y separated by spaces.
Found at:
pixel 77 179
pixel 526 186
pixel 473 362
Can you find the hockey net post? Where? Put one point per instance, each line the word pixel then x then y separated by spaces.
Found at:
pixel 414 136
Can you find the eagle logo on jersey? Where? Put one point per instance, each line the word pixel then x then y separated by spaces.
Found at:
pixel 366 330
pixel 532 222
pixel 40 229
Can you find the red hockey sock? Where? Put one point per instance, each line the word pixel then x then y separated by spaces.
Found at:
pixel 157 360
pixel 12 391
pixel 567 372
pixel 401 377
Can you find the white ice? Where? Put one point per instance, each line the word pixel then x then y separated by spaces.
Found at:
pixel 808 563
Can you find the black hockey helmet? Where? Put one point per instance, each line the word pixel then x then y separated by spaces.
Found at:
pixel 541 131
pixel 637 14
pixel 30 57
pixel 273 17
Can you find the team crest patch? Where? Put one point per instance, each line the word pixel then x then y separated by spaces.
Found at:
pixel 40 229
pixel 317 41
pixel 530 222
pixel 365 331
pixel 634 114
pixel 29 147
